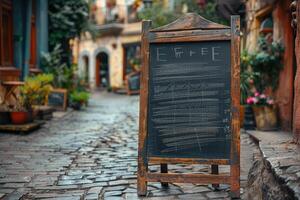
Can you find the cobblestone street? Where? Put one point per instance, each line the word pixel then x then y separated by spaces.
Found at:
pixel 91 154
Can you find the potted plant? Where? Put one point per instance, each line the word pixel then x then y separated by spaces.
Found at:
pixel 20 115
pixel 264 111
pixel 247 79
pixel 265 64
pixel 78 99
pixel 33 92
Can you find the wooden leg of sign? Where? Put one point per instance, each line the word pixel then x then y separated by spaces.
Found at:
pixel 215 170
pixel 164 169
pixel 142 147
pixel 235 93
pixel 142 179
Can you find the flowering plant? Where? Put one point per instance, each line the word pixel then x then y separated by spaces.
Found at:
pixel 260 100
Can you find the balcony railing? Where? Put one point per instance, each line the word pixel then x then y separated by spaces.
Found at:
pixel 118 14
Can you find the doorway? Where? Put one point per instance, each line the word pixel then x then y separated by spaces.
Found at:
pixel 102 70
pixel 86 69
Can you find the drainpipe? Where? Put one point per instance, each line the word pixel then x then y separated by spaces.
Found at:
pixel 27 30
pixel 42 29
pixel 17 32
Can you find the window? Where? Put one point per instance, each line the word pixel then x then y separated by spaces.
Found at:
pixel 32 61
pixel 6 33
pixel 132 58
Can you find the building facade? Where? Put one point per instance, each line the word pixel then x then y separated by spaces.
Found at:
pixel 275 15
pixel 23 38
pixel 106 60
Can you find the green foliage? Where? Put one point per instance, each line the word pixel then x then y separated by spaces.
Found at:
pixel 51 63
pixel 67 20
pixel 35 91
pixel 81 97
pixel 158 14
pixel 247 77
pixel 208 11
pixel 161 16
pixel 261 69
pixel 267 61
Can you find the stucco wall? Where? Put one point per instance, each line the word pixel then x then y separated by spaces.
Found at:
pixel 113 46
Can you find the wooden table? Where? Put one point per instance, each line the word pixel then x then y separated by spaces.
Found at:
pixel 10 87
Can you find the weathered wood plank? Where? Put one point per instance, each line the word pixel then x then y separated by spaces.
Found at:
pixel 235 102
pixel 189 36
pixel 188 178
pixel 142 148
pixel 158 160
pixel 24 128
pixel 164 169
pixel 190 21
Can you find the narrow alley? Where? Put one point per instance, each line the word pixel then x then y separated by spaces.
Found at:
pixel 92 154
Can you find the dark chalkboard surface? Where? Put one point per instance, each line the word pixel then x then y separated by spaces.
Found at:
pixel 189 100
pixel 58 99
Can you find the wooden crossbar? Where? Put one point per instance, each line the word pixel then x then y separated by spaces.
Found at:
pixel 188 178
pixel 159 160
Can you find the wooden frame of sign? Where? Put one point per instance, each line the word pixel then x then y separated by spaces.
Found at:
pixel 190 31
pixel 63 106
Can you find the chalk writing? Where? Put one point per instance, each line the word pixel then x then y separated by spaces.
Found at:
pixel 189 100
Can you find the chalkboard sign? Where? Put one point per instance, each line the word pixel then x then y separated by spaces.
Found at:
pixel 189 103
pixel 58 99
pixel 189 100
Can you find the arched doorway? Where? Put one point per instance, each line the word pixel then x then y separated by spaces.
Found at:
pixel 102 70
pixel 86 69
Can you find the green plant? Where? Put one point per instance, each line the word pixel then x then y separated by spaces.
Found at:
pixel 34 91
pixel 135 63
pixel 67 20
pixel 267 61
pixel 208 11
pixel 63 75
pixel 158 14
pixel 247 77
pixel 81 97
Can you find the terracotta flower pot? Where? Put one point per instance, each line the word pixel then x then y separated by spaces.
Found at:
pixel 265 117
pixel 21 117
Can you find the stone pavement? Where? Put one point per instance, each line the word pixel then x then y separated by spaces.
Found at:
pixel 91 154
pixel 281 158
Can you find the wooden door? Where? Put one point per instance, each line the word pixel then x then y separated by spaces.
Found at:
pixel 98 62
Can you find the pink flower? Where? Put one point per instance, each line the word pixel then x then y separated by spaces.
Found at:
pixel 256 94
pixel 255 100
pixel 251 81
pixel 263 96
pixel 250 100
pixel 270 101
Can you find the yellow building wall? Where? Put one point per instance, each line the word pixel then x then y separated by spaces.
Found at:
pixel 113 46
